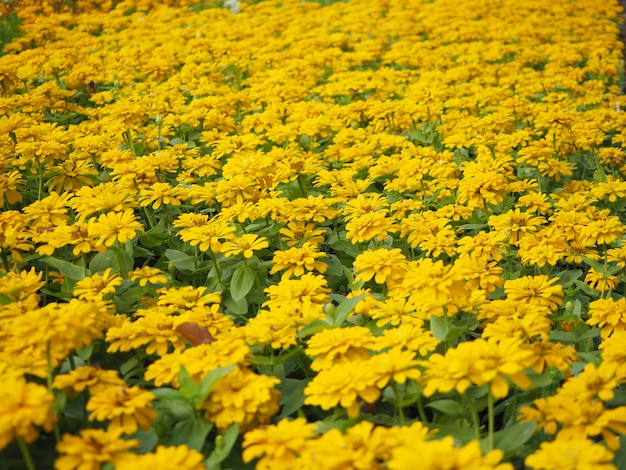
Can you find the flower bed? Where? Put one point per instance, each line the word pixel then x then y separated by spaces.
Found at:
pixel 370 234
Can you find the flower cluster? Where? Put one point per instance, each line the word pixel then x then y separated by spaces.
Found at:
pixel 321 234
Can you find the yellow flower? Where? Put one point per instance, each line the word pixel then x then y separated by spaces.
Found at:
pixel 96 286
pixel 14 237
pixel 481 186
pixel 369 226
pixel 162 193
pixel 480 273
pixel 577 418
pixel 70 174
pixel 242 397
pixel 479 362
pixel 50 211
pixel 445 454
pixel 163 458
pixel 198 361
pixel 55 329
pixel 383 265
pixel 10 184
pixel 604 228
pixel 343 384
pixel 407 336
pixel 298 295
pixel 295 232
pixel 106 197
pixel 246 244
pixel 608 314
pixel 363 446
pixel 81 235
pixel 92 449
pixel 539 250
pixel 278 445
pixel 116 226
pixel 396 365
pixel 535 289
pixel 571 454
pixel 209 235
pixel 433 287
pixel 601 282
pixel 515 224
pixel 24 406
pixel 87 377
pixel 298 260
pixel 155 328
pixel 148 275
pixel 187 298
pixel 20 286
pixel 313 209
pixel 595 382
pixel 339 346
pixel 126 408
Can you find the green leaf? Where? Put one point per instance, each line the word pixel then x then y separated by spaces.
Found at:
pixel 314 327
pixel 463 434
pixel 154 238
pixel 124 263
pixel 147 440
pixel 541 380
pixel 208 382
pixel 242 282
pixel 223 445
pixel 192 432
pixel 188 388
pixel 69 270
pixel 443 330
pixel 567 277
pixel 344 309
pixel 565 337
pixel 620 457
pixel 514 437
pixel 447 407
pixel 590 357
pixel 85 352
pixel 102 261
pixel 473 226
pixel 292 396
pixel 239 307
pixel 5 300
pixel 344 246
pixel 180 409
pixel 129 366
pixel 182 262
pixel 599 267
pixel 166 394
pixel 592 333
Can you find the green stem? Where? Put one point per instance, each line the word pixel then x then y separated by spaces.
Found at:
pixel 399 408
pixel 117 248
pixel 5 261
pixel 148 216
pixel 490 409
pixel 217 267
pixel 39 180
pixel 28 459
pixel 129 141
pixel 84 262
pixel 475 420
pixel 57 434
pixel 420 410
pixel 301 186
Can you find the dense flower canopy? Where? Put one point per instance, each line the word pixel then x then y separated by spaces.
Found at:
pixel 334 234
